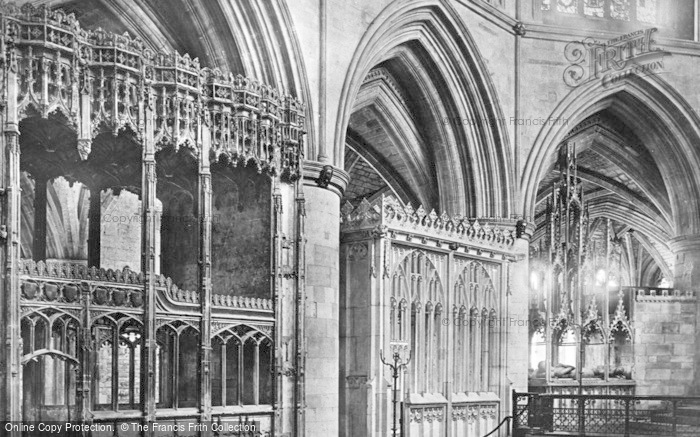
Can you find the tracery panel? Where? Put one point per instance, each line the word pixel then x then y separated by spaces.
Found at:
pixel 177 372
pixel 242 367
pixel 50 364
pixel 417 280
pixel 477 303
pixel 594 8
pixel 117 381
pixel 428 290
pixel 672 20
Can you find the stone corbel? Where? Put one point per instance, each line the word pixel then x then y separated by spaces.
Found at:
pixel 524 229
pixel 325 176
pixel 356 381
pixel 289 371
pixel 519 29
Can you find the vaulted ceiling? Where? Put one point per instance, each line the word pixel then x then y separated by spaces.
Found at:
pixel 386 135
pixel 621 182
pixel 413 81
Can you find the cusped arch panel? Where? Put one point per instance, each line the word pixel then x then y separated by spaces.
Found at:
pixel 417 279
pixel 474 288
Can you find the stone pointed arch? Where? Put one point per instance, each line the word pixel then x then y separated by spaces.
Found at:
pixel 268 48
pixel 475 162
pixel 641 102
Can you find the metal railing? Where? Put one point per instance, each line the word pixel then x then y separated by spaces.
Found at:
pixel 609 415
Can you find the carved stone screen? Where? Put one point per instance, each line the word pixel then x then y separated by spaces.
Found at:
pixel 429 291
pixel 138 230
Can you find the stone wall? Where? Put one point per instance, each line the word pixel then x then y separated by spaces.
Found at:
pixel 179 236
pixel 665 345
pixel 241 232
pixel 356 296
pixel 518 322
pixel 120 235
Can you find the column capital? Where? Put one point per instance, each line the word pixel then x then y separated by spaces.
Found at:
pixel 525 229
pixel 324 175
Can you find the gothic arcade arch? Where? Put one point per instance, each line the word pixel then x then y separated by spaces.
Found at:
pixel 641 102
pixel 472 155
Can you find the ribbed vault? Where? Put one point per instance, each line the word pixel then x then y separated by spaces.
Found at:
pixel 418 105
pixel 660 158
pixel 637 163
